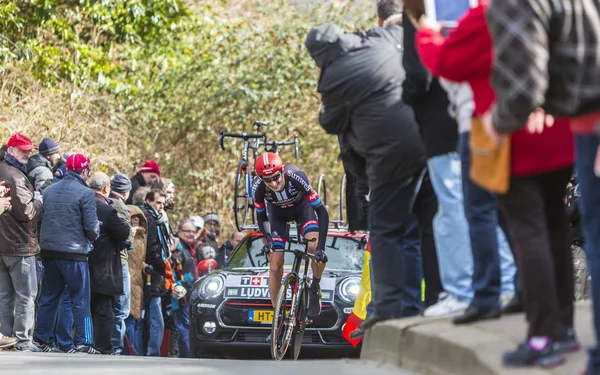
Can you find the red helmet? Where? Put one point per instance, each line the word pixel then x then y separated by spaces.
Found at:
pixel 207 265
pixel 268 164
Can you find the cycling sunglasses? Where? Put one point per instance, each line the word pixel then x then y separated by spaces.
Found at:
pixel 272 179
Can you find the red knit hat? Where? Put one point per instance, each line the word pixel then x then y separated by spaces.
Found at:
pixel 150 167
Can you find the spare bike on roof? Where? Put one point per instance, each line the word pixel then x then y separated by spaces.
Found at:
pixel 243 204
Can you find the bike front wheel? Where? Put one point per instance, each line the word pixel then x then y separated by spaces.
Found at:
pixel 300 317
pixel 284 322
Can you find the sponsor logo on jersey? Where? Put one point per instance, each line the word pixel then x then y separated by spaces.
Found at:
pixel 300 180
pixel 313 197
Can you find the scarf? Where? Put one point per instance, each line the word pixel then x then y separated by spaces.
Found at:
pixel 15 163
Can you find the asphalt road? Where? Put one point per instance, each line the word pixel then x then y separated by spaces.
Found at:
pixel 82 364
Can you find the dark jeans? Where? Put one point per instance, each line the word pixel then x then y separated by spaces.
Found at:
pixel 389 211
pixel 481 210
pixel 589 202
pixel 103 318
pixel 540 231
pixel 412 303
pixel 75 275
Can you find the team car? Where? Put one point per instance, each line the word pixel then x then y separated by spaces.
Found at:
pixel 231 311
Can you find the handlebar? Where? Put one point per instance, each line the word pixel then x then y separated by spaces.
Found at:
pixel 244 136
pixel 275 144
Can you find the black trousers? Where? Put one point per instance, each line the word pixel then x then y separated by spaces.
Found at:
pixel 540 231
pixel 103 319
pixel 389 210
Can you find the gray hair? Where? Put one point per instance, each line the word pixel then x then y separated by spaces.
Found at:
pixel 388 8
pixel 98 180
pixel 184 222
pixel 139 198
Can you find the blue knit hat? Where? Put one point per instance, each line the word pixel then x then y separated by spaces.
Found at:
pixel 48 147
pixel 120 183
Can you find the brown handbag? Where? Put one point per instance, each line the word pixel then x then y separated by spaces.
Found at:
pixel 490 163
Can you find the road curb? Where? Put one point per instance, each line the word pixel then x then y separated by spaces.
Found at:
pixel 438 347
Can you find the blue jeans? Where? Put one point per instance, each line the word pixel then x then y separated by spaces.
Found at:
pixel 450 227
pixel 135 333
pixel 63 333
pixel 589 202
pixel 493 263
pixel 182 321
pixel 157 327
pixel 412 303
pixel 121 312
pixel 76 276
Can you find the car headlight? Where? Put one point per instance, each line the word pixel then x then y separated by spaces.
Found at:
pixel 348 289
pixel 211 287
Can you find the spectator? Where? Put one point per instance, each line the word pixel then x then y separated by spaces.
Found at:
pixel 429 101
pixel 186 273
pixel 69 226
pixel 146 176
pixel 137 266
pixel 580 271
pixel 18 245
pixel 155 256
pixel 106 276
pixel 120 186
pixel 228 247
pixel 541 58
pixel 362 101
pixel 42 165
pixel 169 188
pixel 494 267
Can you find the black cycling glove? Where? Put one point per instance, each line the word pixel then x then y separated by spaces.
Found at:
pixel 320 256
pixel 269 245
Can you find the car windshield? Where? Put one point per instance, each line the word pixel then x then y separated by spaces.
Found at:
pixel 343 253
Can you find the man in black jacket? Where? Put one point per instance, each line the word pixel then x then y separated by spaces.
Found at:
pixel 361 87
pixel 155 256
pixel 106 276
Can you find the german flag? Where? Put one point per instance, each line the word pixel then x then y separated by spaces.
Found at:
pixel 359 312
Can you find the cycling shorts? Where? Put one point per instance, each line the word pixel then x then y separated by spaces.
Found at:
pixel 304 216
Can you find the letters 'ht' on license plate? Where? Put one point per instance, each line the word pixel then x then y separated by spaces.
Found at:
pixel 260 316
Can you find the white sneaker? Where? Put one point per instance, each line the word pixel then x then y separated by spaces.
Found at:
pixel 447 305
pixel 505 299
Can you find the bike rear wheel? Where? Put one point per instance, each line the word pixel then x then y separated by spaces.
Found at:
pixel 284 322
pixel 300 314
pixel 241 200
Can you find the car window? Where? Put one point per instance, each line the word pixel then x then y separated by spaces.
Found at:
pixel 342 252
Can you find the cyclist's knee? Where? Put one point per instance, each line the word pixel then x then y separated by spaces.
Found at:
pixel 276 267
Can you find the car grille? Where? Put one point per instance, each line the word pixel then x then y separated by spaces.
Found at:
pixel 234 313
pixel 310 337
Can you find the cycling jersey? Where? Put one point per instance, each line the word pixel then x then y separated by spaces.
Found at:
pixel 298 202
pixel 297 190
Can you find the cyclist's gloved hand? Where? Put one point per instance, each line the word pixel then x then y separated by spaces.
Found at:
pixel 269 244
pixel 320 256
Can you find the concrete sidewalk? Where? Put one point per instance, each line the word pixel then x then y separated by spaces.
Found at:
pixel 436 346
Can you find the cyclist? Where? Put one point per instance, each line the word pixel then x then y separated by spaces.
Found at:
pixel 289 197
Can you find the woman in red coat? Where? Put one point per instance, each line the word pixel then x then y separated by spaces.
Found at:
pixel 541 165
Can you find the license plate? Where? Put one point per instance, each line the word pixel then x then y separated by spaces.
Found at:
pixel 260 316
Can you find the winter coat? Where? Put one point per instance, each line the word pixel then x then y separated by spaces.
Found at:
pixel 428 99
pixel 40 172
pixel 136 262
pixel 106 272
pixel 466 55
pixel 361 91
pixel 18 236
pixel 154 253
pixel 124 213
pixel 69 219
